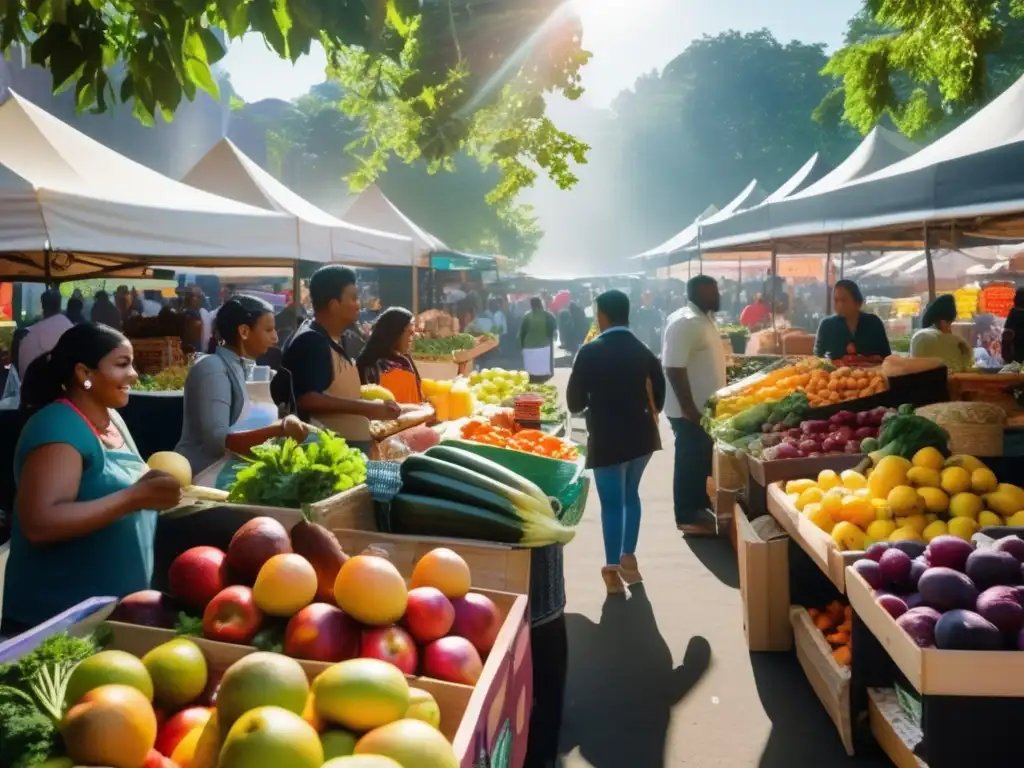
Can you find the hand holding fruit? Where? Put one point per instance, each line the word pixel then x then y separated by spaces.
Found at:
pixel 384 410
pixel 156 490
pixel 293 427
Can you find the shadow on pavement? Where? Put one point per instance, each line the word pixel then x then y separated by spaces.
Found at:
pixel 622 684
pixel 802 732
pixel 717 555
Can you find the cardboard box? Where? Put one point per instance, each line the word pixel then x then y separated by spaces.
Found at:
pixel 723 504
pixel 929 670
pixel 829 679
pixel 764 587
pixel 728 469
pixel 812 540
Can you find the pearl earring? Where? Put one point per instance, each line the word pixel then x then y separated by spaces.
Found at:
pixel 87 384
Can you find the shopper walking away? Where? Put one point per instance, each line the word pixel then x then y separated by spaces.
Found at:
pixel 619 384
pixel 537 339
pixel 694 361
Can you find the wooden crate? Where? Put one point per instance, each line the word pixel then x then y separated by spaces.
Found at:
pixel 154 355
pixel 764 587
pixel 830 680
pixel 812 540
pixel 892 729
pixel 996 674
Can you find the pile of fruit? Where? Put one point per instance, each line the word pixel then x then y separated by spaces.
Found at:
pixel 168 380
pixel 283 473
pixel 169 710
pixel 748 366
pixel 949 594
pixel 908 500
pixel 303 595
pixel 767 387
pixel 483 431
pixel 452 492
pixel 496 386
pixel 835 621
pixel 843 384
pixel 442 347
pixel 844 432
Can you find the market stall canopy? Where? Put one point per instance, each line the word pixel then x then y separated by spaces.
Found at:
pixel 71 208
pixel 752 230
pixel 370 208
pixel 912 266
pixel 226 170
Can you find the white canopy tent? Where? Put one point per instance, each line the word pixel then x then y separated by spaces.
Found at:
pixel 72 208
pixel 225 170
pixel 371 208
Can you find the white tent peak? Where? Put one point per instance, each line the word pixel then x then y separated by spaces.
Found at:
pixel 750 196
pixel 805 176
pixel 372 208
pixel 881 148
pixel 226 170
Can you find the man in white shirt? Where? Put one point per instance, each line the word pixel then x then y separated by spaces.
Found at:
pixel 694 362
pixel 43 336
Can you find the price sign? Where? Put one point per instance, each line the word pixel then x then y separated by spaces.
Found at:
pixel 997 299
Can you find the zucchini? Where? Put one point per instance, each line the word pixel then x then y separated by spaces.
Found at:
pixel 469 476
pixel 441 487
pixel 426 516
pixel 491 469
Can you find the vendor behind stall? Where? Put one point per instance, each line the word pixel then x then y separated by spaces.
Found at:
pixel 385 358
pixel 83 524
pixel 850 331
pixel 216 398
pixel 317 379
pixel 936 337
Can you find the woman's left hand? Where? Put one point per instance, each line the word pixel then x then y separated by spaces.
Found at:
pixel 295 428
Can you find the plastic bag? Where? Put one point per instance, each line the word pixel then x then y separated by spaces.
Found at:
pixel 394 449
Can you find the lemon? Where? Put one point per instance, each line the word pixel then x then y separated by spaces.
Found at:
pixel 1016 519
pixel 955 480
pixel 828 479
pixel 931 517
pixel 880 530
pixel 832 501
pixel 917 522
pixel 903 500
pixel 963 460
pixel 905 534
pixel 933 499
pixel 819 517
pixel 853 480
pixel 809 496
pixel 928 458
pixel 938 528
pixel 963 527
pixel 890 472
pixel 983 481
pixel 799 486
pixel 856 510
pixel 965 505
pixel 848 537
pixel 924 477
pixel 986 519
pixel 882 511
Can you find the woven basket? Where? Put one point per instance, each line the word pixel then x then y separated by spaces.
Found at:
pixel 983 437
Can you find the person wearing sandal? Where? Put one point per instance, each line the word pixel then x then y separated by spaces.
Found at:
pixel 619 384
pixel 694 361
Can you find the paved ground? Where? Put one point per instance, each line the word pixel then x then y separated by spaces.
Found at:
pixel 664 678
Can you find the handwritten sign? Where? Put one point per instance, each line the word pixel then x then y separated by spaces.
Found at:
pixel 997 299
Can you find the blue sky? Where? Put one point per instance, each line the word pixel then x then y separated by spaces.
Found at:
pixel 627 38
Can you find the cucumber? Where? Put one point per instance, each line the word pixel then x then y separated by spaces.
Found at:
pixel 459 473
pixel 426 516
pixel 440 487
pixel 491 469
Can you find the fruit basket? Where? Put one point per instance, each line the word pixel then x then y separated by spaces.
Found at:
pixel 829 679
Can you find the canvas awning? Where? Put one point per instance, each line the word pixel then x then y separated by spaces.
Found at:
pixel 225 170
pixel 73 208
pixel 371 208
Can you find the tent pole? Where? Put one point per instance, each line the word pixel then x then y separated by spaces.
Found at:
pixel 774 271
pixel 415 289
pixel 928 263
pixel 842 261
pixel 829 275
pixel 297 290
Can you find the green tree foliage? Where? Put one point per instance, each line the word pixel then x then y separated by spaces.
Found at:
pixel 730 108
pixel 927 63
pixel 303 144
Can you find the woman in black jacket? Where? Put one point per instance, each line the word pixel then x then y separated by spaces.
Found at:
pixel 620 384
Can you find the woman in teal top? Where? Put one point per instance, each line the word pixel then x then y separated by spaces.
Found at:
pixel 936 337
pixel 850 331
pixel 83 524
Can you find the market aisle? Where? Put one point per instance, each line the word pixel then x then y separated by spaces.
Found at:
pixel 666 679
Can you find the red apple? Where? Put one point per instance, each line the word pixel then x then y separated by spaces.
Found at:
pixel 429 615
pixel 148 608
pixel 322 632
pixel 478 620
pixel 453 659
pixel 232 616
pixel 197 575
pixel 178 727
pixel 392 644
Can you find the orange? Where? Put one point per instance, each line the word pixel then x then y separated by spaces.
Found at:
pixel 285 585
pixel 113 725
pixel 444 569
pixel 371 590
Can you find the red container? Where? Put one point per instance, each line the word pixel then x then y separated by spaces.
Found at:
pixel 527 407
